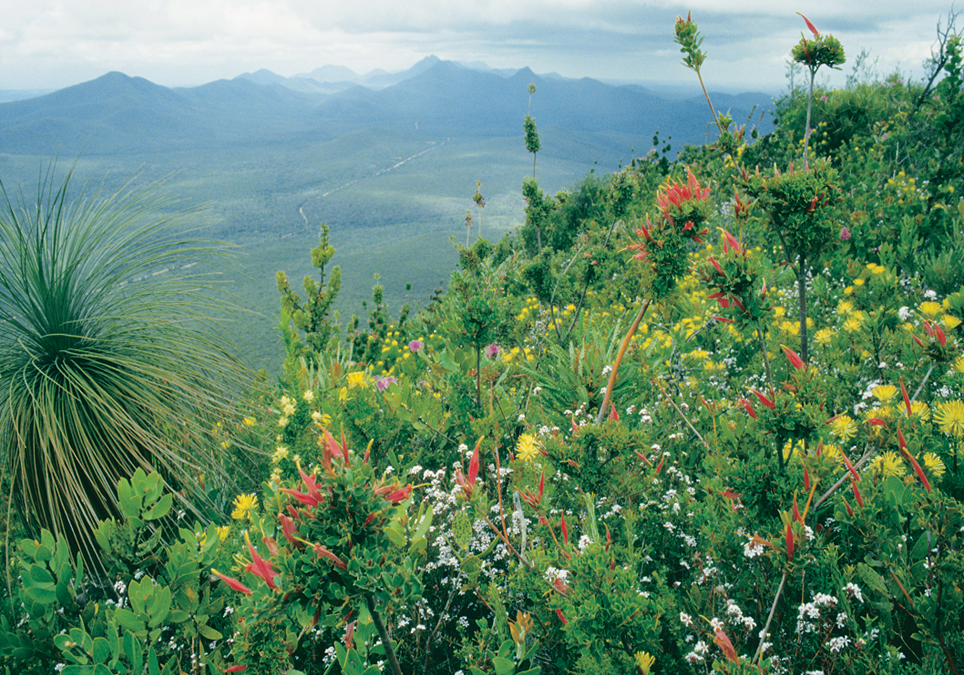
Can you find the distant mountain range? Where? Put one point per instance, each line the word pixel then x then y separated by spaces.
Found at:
pixel 118 114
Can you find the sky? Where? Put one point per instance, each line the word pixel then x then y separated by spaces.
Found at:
pixel 50 44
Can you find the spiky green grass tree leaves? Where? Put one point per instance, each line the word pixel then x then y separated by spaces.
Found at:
pixel 107 363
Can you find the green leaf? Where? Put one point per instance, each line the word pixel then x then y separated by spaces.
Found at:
pixel 101 652
pixel 502 665
pixel 160 509
pixel 209 633
pixel 872 579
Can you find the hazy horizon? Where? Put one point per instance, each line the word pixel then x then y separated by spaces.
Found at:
pixel 49 45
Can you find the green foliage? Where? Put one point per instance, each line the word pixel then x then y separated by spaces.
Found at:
pixel 313 316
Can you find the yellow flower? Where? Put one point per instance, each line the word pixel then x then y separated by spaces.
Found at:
pixel 845 307
pixel 844 428
pixel 959 364
pixel 930 308
pixel 933 465
pixel 644 661
pixel 223 532
pixel 951 322
pixel 823 336
pixel 853 325
pixel 920 410
pixel 527 449
pixel 309 396
pixel 243 506
pixel 950 417
pixel 884 392
pixel 356 380
pixel 280 453
pixel 858 282
pixel 249 421
pixel 888 464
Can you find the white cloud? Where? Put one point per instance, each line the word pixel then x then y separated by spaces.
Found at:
pixel 50 43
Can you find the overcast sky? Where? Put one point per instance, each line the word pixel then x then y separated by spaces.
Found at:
pixel 46 44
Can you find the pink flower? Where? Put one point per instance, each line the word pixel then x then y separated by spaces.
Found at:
pixel 415 345
pixel 844 234
pixel 385 382
pixel 492 350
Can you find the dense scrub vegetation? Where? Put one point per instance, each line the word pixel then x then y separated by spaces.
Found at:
pixel 702 415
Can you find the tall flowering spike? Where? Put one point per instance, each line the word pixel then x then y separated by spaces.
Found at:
pixel 813 29
pixel 232 583
pixel 260 567
pixel 903 392
pixel 793 357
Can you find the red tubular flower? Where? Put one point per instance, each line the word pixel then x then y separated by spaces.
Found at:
pixel 323 552
pixel 764 399
pixel 857 495
pixel 940 335
pixel 288 529
pixel 659 466
pixel 613 415
pixel 850 466
pixel 903 391
pixel 302 497
pixel 260 567
pixel 560 586
pixel 232 583
pixel 236 669
pixel 850 511
pixel 749 408
pixel 561 617
pixel 813 29
pixel 723 642
pixel 715 264
pixel 793 357
pixel 731 240
pixel 468 483
pixel 565 530
pixel 910 458
pixel 796 510
pixel 400 494
pixel 789 542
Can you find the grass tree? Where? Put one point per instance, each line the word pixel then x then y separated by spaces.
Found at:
pixel 106 361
